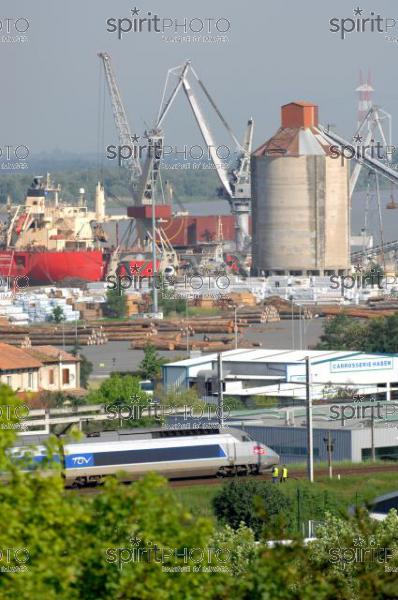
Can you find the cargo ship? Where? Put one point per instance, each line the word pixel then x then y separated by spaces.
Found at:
pixel 47 241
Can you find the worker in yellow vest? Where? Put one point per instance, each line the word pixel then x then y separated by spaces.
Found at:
pixel 275 474
pixel 284 474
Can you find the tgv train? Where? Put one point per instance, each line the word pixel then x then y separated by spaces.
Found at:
pixel 172 453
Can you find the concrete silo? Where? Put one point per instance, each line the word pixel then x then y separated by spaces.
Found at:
pixel 301 212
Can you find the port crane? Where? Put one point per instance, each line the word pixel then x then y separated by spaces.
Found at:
pixel 145 177
pixel 155 143
pixel 367 130
pixel 235 182
pixel 372 120
pixel 119 114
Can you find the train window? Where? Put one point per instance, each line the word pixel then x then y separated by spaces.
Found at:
pixel 246 438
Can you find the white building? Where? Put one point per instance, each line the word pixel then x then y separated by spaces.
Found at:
pixel 282 373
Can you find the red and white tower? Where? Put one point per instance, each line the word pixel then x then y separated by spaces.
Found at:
pixel 365 102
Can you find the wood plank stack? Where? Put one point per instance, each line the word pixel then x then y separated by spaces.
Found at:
pixel 245 297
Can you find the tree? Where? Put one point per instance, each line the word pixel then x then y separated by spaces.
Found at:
pixel 234 403
pixel 257 504
pixel 242 545
pixel 138 542
pixel 179 397
pixel 342 333
pixel 119 389
pixel 86 366
pixel 150 366
pixel 376 335
pixel 57 314
pixel 265 401
pixel 116 304
pixel 123 392
pixel 168 301
pixel 67 548
pixel 371 272
pixel 347 561
pixel 50 399
pixel 169 306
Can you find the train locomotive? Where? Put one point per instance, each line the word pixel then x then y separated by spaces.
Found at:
pixel 172 453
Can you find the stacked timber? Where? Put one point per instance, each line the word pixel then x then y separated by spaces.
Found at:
pixel 356 312
pixel 259 314
pixel 143 330
pixel 384 304
pixel 243 297
pixel 286 309
pixel 212 324
pixel 176 335
pixel 168 344
pixel 156 341
pixel 51 335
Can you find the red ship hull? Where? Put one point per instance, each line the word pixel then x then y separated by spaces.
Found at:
pixel 52 267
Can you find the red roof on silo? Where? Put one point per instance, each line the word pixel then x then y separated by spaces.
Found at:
pixel 299 133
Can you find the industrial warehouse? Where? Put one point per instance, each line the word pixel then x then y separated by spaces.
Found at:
pixel 251 372
pixel 365 424
pixel 351 442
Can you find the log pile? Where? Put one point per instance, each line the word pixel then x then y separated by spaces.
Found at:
pixel 166 334
pixel 172 334
pixel 217 324
pixel 286 309
pixel 259 314
pixel 357 312
pixel 161 343
pixel 390 304
pixel 52 335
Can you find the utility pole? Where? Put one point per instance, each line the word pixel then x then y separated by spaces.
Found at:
pixel 220 400
pixel 298 509
pixel 310 441
pixel 329 446
pixel 236 329
pixel 186 324
pixel 291 299
pixel 300 333
pixel 236 324
pixel 372 435
pixel 154 282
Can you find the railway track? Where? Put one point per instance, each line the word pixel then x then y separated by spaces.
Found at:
pixel 293 474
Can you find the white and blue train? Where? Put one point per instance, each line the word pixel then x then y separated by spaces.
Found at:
pixel 221 452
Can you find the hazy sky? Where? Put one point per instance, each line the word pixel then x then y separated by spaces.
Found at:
pixel 277 51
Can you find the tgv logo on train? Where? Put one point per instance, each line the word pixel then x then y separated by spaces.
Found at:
pixel 80 460
pixel 361 24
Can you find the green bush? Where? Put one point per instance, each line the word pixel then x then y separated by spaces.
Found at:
pixel 265 401
pixel 260 505
pixel 234 403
